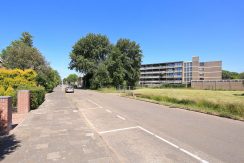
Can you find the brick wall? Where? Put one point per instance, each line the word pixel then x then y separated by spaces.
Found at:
pixel 6 112
pixel 237 85
pixel 23 101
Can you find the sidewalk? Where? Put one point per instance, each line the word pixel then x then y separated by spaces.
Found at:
pixel 55 132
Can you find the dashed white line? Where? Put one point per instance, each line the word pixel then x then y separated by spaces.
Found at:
pixel 99 106
pixel 109 111
pixel 120 129
pixel 147 131
pixel 120 117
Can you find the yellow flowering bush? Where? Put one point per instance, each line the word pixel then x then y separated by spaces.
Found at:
pixel 15 78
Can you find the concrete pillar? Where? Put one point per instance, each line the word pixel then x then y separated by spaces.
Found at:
pixel 23 101
pixel 6 112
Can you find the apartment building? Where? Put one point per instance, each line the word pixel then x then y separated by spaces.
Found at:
pixel 180 72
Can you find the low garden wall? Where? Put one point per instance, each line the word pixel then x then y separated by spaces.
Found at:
pixel 235 85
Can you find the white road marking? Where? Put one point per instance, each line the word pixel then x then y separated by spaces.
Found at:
pixel 173 145
pixel 115 130
pixel 93 108
pixel 99 106
pixel 75 111
pixel 192 155
pixel 147 131
pixel 109 111
pixel 120 117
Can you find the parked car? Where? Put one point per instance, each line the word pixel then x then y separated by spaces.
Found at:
pixel 69 89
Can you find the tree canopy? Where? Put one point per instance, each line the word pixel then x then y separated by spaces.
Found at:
pixel 71 79
pixel 231 75
pixel 105 64
pixel 21 54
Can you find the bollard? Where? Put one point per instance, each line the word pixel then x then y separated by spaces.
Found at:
pixel 6 112
pixel 23 101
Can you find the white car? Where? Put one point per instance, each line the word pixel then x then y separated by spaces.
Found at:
pixel 69 89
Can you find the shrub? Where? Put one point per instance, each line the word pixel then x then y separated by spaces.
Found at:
pixel 37 95
pixel 9 92
pixel 2 90
pixel 172 86
pixel 15 78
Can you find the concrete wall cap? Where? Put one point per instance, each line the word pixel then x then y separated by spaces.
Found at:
pixel 23 90
pixel 4 97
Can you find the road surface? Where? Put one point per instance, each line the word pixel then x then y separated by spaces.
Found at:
pixel 138 131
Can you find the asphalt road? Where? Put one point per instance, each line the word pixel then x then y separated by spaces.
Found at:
pixel 138 131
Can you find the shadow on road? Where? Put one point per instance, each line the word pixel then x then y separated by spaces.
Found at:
pixel 8 144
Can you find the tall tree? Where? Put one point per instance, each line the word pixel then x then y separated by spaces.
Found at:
pixel 27 38
pixel 72 78
pixel 21 54
pixel 132 56
pixel 101 77
pixel 88 53
pixel 115 67
pixel 230 75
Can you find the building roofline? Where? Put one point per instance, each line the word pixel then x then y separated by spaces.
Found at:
pixel 160 63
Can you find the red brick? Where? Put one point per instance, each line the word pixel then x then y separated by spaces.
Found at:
pixel 23 101
pixel 6 111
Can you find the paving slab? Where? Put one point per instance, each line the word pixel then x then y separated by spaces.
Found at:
pixel 55 132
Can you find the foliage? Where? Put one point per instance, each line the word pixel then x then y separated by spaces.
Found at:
pixel 2 90
pixel 101 77
pixel 132 56
pixel 115 67
pixel 104 64
pixel 88 53
pixel 71 79
pixel 9 92
pixel 49 79
pixel 21 54
pixel 241 75
pixel 15 78
pixel 27 38
pixel 230 75
pixel 172 86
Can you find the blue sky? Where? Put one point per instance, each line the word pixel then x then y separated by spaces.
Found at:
pixel 167 30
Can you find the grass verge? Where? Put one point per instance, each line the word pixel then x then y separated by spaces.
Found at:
pixel 107 90
pixel 206 102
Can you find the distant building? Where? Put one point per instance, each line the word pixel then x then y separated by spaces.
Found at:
pixel 180 72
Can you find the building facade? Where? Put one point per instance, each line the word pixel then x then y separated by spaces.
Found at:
pixel 180 72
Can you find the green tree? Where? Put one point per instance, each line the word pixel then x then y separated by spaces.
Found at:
pixel 19 55
pixel 101 77
pixel 241 75
pixel 72 78
pixel 229 75
pixel 132 56
pixel 27 39
pixel 88 53
pixel 22 55
pixel 115 67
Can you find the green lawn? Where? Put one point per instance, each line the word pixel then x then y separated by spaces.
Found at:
pixel 223 103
